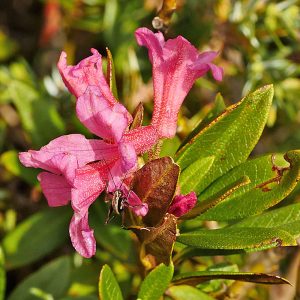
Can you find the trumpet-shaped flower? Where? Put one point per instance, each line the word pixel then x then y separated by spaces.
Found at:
pixel 79 169
pixel 176 64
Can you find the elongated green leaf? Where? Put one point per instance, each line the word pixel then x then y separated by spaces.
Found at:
pixel 217 198
pixel 227 138
pixel 169 146
pixel 10 161
pixel 194 278
pixel 38 113
pixel 184 292
pixel 193 175
pixel 286 218
pixel 269 184
pixel 217 109
pixel 237 238
pixel 52 279
pixel 2 275
pixel 37 236
pixel 108 286
pixel 84 279
pixel 156 282
pixel 188 252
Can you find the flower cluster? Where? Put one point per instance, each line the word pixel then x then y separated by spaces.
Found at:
pixel 78 170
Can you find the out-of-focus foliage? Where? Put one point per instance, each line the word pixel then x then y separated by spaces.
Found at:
pixel 259 44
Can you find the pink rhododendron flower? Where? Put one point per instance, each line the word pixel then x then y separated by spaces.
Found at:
pixel 182 204
pixel 176 66
pixel 78 170
pixel 73 172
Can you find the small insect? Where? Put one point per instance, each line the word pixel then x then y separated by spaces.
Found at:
pixel 117 204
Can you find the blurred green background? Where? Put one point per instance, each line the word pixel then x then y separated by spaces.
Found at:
pixel 259 43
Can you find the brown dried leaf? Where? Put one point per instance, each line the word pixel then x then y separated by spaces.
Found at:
pixel 155 184
pixel 138 116
pixel 157 242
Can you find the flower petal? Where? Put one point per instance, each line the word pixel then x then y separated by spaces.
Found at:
pixel 142 138
pixel 108 122
pixel 123 166
pixel 176 65
pixel 55 188
pixel 82 236
pixel 89 183
pixel 216 71
pixel 153 41
pixel 136 205
pixel 181 204
pixel 87 72
pixel 77 145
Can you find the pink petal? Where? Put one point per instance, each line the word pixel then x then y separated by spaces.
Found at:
pixel 89 183
pixel 77 145
pixel 133 202
pixel 181 204
pixel 82 236
pixel 176 65
pixel 123 166
pixel 136 205
pixel 55 188
pixel 216 71
pixel 142 138
pixel 86 73
pixel 102 119
pixel 153 41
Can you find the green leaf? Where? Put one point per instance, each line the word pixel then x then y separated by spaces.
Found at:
pixel 189 252
pixel 192 176
pixel 217 109
pixel 194 278
pixel 11 162
pixel 207 204
pixel 156 282
pixel 184 292
pixel 36 237
pixel 52 279
pixel 84 279
pixel 37 112
pixel 227 138
pixel 2 275
pixel 286 218
pixel 269 184
pixel 108 286
pixel 169 146
pixel 237 238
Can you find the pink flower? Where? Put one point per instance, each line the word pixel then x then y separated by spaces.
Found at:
pixel 182 204
pixel 176 66
pixel 78 169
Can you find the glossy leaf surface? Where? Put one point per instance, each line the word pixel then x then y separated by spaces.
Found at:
pixel 227 138
pixel 237 238
pixel 183 292
pixel 36 237
pixel 268 185
pixel 194 278
pixel 52 279
pixel 108 286
pixel 156 282
pixel 286 218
